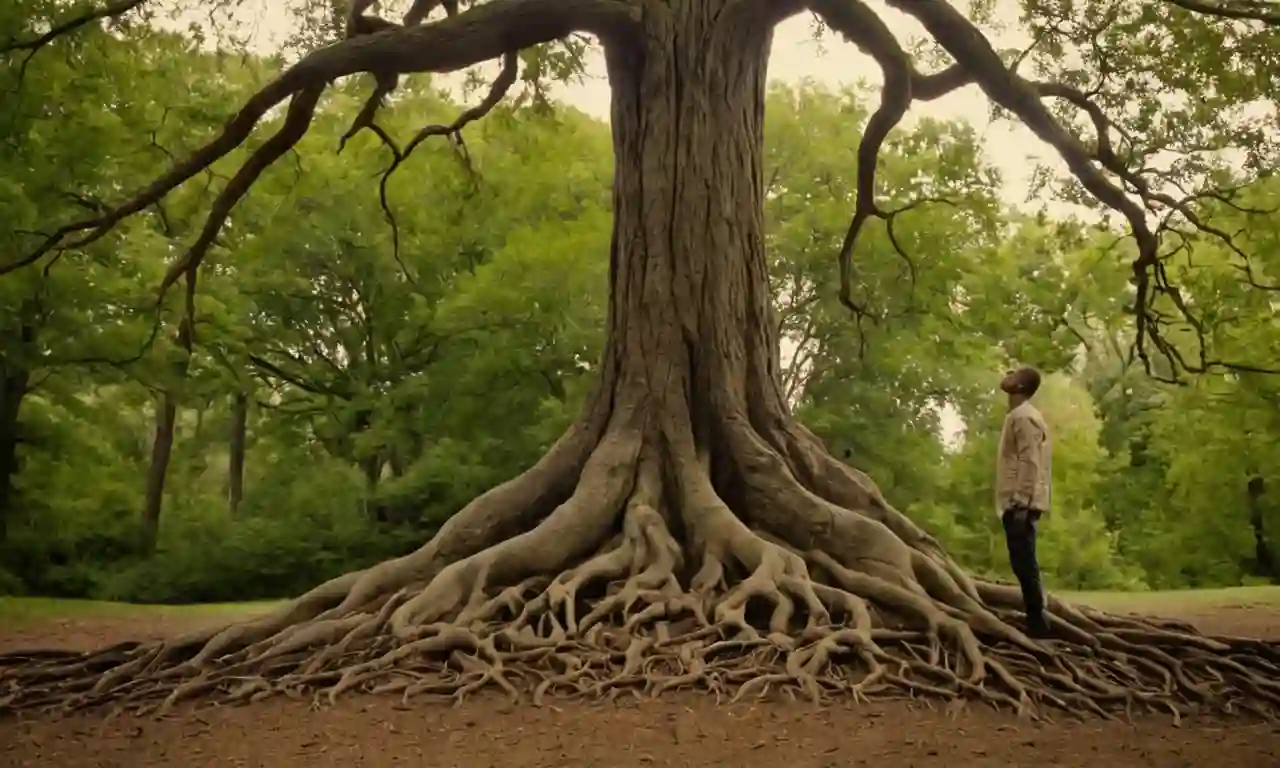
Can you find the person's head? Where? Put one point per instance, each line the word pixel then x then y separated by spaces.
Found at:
pixel 1020 384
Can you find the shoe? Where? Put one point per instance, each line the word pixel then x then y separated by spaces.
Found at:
pixel 1038 629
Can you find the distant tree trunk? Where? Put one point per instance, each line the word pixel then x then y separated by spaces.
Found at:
pixel 370 466
pixel 15 385
pixel 1264 562
pixel 372 469
pixel 396 458
pixel 161 450
pixel 162 446
pixel 235 469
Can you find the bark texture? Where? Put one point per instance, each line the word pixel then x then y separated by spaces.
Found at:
pixel 687 531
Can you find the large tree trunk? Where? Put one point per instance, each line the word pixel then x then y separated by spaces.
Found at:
pixel 686 531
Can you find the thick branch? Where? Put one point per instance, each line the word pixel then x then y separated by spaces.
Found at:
pixel 978 62
pixel 296 123
pixel 1249 10
pixel 974 52
pixel 420 9
pixel 1105 154
pixel 358 23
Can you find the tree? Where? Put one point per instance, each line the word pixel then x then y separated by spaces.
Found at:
pixel 59 322
pixel 237 444
pixel 687 530
pixel 361 333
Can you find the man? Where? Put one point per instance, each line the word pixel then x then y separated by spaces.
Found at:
pixel 1023 488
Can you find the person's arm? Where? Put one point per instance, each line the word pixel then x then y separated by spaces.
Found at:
pixel 1026 444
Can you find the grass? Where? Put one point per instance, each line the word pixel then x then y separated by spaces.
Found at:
pixel 1175 601
pixel 23 610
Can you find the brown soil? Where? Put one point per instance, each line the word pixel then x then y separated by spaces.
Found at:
pixel 674 730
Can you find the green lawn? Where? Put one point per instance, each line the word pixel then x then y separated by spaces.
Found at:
pixel 1175 601
pixel 19 610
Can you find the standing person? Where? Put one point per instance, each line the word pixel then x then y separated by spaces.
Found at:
pixel 1023 488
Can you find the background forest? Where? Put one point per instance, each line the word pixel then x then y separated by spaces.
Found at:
pixel 349 384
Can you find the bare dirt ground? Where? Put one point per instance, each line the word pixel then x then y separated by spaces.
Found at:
pixel 674 730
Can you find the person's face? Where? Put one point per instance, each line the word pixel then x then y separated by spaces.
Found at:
pixel 1011 383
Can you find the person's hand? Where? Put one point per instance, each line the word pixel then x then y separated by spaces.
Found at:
pixel 1018 513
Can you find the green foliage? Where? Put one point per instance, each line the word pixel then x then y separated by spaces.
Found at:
pixel 390 381
pixel 205 556
pixel 889 418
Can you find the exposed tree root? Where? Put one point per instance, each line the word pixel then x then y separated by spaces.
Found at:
pixel 644 580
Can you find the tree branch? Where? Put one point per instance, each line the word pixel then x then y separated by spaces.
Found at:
pixel 1106 156
pixel 497 91
pixel 360 24
pixel 33 45
pixel 420 9
pixel 483 33
pixel 297 120
pixel 1238 10
pixel 971 49
pixel 296 380
pixel 979 63
pixel 36 44
pixel 902 83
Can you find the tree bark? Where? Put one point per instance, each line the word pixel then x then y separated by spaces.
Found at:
pixel 690 329
pixel 692 332
pixel 158 471
pixel 235 462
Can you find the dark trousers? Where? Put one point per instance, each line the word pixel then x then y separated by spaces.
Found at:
pixel 1020 535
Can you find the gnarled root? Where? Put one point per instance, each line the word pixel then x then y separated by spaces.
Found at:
pixel 644 579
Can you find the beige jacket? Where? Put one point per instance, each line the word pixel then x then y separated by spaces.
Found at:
pixel 1024 463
